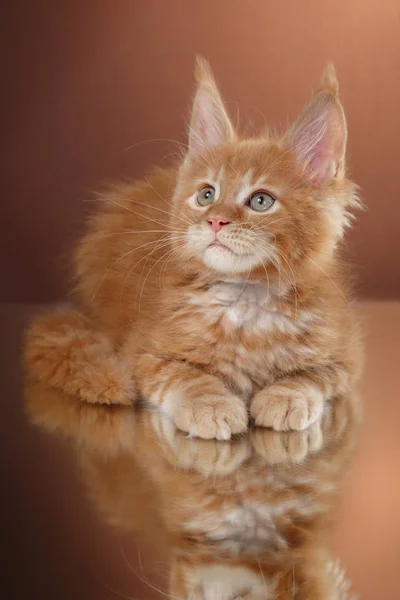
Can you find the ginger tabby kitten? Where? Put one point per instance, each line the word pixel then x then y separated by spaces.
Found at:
pixel 213 289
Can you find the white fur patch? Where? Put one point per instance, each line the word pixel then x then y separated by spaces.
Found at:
pixel 212 179
pixel 169 400
pixel 225 582
pixel 239 259
pixel 225 261
pixel 246 188
pixel 250 187
pixel 248 305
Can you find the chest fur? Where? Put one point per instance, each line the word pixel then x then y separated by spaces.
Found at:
pixel 240 331
pixel 248 308
pixel 247 328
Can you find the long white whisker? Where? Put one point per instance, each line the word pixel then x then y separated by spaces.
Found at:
pixel 267 246
pixel 168 155
pixel 163 270
pixel 263 577
pixel 144 231
pixel 118 260
pixel 149 255
pixel 133 211
pixel 185 218
pixel 117 593
pixel 166 240
pixel 143 577
pixel 259 225
pixel 163 245
pixel 142 142
pixel 233 271
pixel 266 273
pixel 147 276
pixel 281 255
pixel 244 283
pixel 326 275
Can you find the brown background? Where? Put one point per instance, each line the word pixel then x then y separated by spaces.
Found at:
pixel 84 80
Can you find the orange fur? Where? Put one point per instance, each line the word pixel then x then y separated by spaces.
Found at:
pixel 213 323
pixel 251 518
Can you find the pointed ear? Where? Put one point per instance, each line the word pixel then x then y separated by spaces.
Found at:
pixel 209 123
pixel 319 135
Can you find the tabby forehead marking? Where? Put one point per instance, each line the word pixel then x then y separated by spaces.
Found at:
pixel 213 179
pixel 250 186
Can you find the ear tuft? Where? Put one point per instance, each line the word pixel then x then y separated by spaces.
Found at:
pixel 329 80
pixel 319 135
pixel 209 123
pixel 202 71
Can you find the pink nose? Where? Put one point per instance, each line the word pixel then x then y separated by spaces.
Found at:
pixel 217 223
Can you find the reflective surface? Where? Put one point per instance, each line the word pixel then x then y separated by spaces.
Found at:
pixel 251 518
pixel 57 544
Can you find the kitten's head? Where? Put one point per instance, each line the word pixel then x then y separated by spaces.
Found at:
pixel 250 207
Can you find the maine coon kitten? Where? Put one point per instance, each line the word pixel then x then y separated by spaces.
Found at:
pixel 213 288
pixel 248 519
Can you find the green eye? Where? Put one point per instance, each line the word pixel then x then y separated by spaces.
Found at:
pixel 206 196
pixel 261 201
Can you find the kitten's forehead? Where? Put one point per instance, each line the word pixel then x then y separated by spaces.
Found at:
pixel 245 170
pixel 248 162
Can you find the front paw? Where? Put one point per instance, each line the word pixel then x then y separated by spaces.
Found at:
pixel 212 417
pixel 287 407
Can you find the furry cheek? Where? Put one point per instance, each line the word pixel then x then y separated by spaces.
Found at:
pixel 199 237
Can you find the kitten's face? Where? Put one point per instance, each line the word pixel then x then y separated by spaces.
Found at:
pixel 245 210
pixel 251 207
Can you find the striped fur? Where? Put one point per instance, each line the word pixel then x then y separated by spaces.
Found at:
pixel 214 326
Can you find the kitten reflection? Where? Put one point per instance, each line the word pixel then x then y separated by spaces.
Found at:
pixel 249 519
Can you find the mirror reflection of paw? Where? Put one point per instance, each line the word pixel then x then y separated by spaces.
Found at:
pixel 208 457
pixel 287 447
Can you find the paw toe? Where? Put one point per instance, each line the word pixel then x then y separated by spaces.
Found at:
pixel 298 418
pixel 285 409
pixel 213 418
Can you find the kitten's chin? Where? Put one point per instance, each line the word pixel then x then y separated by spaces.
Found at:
pixel 223 260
